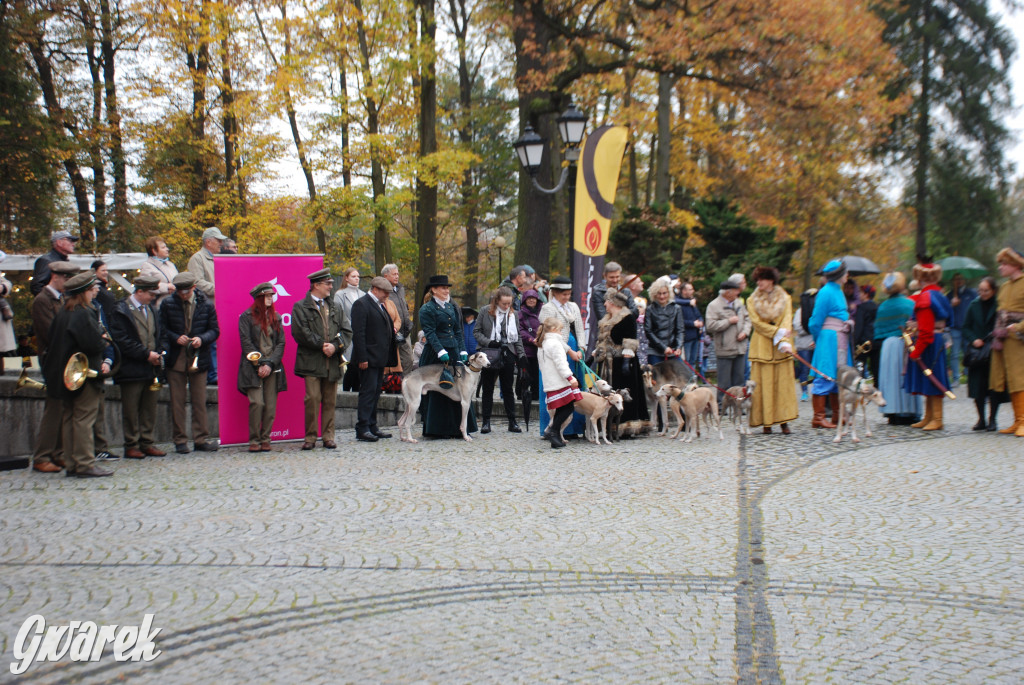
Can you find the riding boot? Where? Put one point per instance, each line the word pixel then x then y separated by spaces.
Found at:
pixel 1017 399
pixel 979 405
pixel 819 420
pixel 927 418
pixel 993 409
pixel 936 422
pixel 833 401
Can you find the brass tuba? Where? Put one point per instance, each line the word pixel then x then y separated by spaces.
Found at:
pixel 76 371
pixel 25 382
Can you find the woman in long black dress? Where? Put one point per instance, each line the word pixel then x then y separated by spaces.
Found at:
pixel 441 321
pixel 615 355
pixel 978 325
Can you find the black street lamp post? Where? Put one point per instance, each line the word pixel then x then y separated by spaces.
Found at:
pixel 572 124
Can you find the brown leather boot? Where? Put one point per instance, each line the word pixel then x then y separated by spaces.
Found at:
pixel 1017 401
pixel 819 420
pixel 936 422
pixel 833 402
pixel 927 418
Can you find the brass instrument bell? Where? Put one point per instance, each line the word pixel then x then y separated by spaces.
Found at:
pixel 24 381
pixel 77 370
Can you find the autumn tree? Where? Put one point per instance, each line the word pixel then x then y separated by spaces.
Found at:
pixel 956 57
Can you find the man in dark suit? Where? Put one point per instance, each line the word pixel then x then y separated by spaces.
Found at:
pixel 373 349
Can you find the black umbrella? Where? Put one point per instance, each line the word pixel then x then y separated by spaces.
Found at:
pixel 857 266
pixel 523 384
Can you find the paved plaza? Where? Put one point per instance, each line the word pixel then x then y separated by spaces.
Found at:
pixel 755 559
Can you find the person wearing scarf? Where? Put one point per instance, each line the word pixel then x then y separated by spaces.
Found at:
pixel 498 329
pixel 771 343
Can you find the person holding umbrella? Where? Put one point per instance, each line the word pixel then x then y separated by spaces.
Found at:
pixel 960 298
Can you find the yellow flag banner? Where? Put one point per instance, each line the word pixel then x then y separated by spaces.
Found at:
pixel 599 166
pixel 597 180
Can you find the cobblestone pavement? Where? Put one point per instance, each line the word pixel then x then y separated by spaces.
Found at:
pixel 753 559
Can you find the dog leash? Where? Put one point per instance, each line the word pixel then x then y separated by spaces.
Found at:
pixel 821 373
pixel 703 378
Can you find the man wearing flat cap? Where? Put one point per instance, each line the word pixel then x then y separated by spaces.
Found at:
pixel 201 265
pixel 373 348
pixel 322 333
pixel 188 325
pixel 76 330
pixel 47 457
pixel 135 328
pixel 63 244
pixel 728 324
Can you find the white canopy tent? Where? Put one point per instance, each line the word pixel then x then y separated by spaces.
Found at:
pixel 116 262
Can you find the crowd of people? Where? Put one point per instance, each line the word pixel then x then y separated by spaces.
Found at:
pixel 166 332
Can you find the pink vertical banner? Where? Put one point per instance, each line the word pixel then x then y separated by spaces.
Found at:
pixel 235 276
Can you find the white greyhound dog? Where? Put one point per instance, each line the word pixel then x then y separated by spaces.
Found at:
pixel 425 379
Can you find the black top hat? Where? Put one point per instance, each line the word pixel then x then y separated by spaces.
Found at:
pixel 436 281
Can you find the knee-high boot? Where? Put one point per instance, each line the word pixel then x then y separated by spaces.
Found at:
pixel 927 418
pixel 819 420
pixel 1017 399
pixel 936 422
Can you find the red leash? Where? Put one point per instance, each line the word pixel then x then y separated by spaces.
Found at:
pixel 702 377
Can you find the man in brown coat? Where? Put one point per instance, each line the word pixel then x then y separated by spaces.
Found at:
pixel 48 454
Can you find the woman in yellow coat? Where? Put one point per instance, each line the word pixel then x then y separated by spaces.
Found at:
pixel 771 366
pixel 1006 373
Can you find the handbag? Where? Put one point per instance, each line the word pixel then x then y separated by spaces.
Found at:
pixel 495 357
pixel 976 357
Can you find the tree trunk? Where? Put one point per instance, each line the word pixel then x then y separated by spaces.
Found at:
pixel 381 238
pixel 117 156
pixel 627 101
pixel 426 193
pixel 198 66
pixel 532 37
pixel 99 177
pixel 470 198
pixel 44 76
pixel 228 121
pixel 662 181
pixel 923 138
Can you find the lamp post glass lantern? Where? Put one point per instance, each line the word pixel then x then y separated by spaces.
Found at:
pixel 572 125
